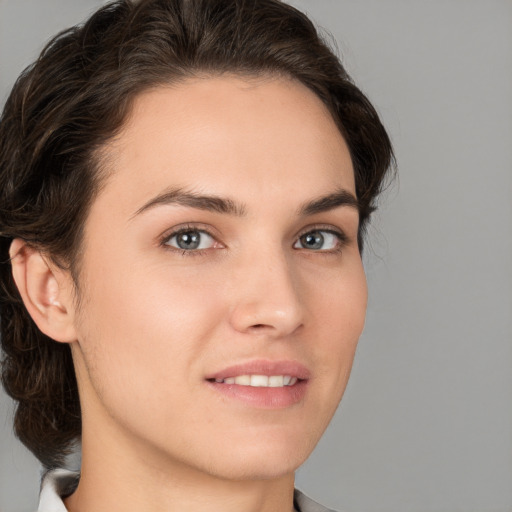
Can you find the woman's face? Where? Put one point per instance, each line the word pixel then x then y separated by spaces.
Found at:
pixel 222 290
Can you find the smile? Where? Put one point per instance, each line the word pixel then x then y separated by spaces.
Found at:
pixel 262 384
pixel 260 381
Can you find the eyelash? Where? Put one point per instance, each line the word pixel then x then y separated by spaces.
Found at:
pixel 343 240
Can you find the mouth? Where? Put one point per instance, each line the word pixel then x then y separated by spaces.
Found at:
pixel 263 384
pixel 259 381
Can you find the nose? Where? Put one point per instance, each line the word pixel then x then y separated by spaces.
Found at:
pixel 267 294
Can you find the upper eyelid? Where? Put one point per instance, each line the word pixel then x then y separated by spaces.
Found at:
pixel 176 230
pixel 327 228
pixel 180 231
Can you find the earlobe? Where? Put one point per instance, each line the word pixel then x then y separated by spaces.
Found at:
pixel 45 291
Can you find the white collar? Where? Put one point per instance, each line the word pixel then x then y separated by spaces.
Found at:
pixel 55 485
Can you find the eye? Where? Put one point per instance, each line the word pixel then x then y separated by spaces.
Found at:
pixel 191 240
pixel 319 240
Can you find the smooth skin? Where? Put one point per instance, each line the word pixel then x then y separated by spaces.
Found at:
pixel 172 291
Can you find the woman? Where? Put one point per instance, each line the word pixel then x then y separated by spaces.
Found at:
pixel 185 187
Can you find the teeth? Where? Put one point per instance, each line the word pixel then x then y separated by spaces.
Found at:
pixel 276 381
pixel 260 381
pixel 243 380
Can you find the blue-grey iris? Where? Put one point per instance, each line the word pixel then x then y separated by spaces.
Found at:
pixel 312 240
pixel 188 240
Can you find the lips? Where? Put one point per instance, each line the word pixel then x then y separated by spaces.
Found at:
pixel 263 384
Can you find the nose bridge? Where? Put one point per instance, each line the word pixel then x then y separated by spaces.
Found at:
pixel 268 295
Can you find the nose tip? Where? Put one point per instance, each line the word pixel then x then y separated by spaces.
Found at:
pixel 254 317
pixel 269 305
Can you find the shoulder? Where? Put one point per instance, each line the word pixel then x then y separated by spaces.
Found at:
pixel 305 504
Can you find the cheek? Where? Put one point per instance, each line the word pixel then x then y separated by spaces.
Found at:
pixel 340 300
pixel 339 317
pixel 144 330
pixel 141 299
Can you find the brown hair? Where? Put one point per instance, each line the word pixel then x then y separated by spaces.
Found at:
pixel 76 96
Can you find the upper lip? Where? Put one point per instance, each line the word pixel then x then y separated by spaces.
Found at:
pixel 263 367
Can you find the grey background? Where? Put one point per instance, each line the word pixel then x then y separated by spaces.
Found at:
pixel 426 422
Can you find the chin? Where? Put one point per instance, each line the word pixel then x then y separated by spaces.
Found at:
pixel 262 459
pixel 257 468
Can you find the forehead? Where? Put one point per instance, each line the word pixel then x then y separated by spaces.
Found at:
pixel 226 135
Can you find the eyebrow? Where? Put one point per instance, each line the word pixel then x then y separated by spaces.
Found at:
pixel 322 204
pixel 194 200
pixel 228 206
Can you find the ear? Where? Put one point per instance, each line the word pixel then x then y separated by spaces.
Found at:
pixel 46 291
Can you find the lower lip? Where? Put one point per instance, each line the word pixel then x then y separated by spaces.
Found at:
pixel 263 397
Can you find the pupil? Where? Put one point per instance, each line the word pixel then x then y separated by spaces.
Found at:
pixel 313 240
pixel 188 240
